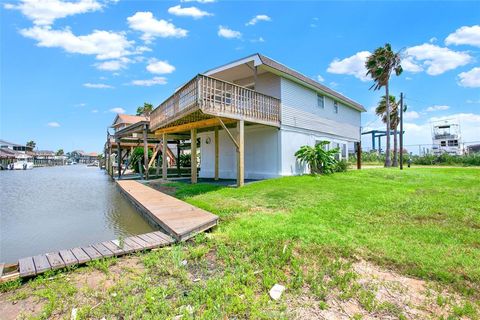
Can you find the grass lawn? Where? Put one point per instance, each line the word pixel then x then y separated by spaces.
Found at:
pixel 306 233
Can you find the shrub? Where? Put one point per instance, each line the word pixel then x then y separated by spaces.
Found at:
pixel 341 166
pixel 138 157
pixel 319 160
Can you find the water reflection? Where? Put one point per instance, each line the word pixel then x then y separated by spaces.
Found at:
pixel 47 209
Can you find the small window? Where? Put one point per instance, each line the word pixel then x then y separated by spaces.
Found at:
pixel 335 107
pixel 443 143
pixel 320 101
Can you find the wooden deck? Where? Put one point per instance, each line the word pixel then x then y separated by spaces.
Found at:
pixel 38 264
pixel 180 219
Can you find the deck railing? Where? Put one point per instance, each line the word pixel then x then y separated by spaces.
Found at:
pixel 217 98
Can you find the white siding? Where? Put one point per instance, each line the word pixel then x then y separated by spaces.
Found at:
pixel 292 140
pixel 300 110
pixel 261 154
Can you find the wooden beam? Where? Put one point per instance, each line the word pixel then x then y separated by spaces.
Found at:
pixel 216 153
pixel 241 153
pixel 192 125
pixel 164 156
pixel 222 123
pixel 145 150
pixel 179 173
pixel 193 154
pixel 157 148
pixel 359 155
pixel 119 160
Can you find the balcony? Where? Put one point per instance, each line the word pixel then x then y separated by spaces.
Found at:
pixel 204 98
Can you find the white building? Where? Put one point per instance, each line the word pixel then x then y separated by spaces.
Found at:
pixel 263 107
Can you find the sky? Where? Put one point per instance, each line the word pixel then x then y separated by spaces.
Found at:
pixel 67 67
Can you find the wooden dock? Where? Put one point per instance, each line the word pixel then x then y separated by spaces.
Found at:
pixel 32 266
pixel 180 219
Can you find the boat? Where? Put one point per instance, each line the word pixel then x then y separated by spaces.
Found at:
pixel 24 162
pixel 447 138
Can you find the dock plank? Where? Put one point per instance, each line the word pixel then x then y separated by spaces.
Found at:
pixel 26 267
pixel 92 253
pixel 105 252
pixel 142 243
pixel 153 242
pixel 41 263
pixel 68 257
pixel 132 244
pixel 81 255
pixel 166 237
pixel 123 246
pixel 178 218
pixel 113 247
pixel 55 260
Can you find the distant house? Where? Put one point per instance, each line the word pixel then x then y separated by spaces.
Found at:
pixel 15 147
pixel 251 115
pixel 124 120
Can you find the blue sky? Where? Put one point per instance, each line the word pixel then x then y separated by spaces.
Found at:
pixel 66 67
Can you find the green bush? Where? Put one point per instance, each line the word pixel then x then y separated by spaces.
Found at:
pixel 138 157
pixel 318 159
pixel 341 166
pixel 472 159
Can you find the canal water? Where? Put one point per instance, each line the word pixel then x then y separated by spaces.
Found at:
pixel 54 208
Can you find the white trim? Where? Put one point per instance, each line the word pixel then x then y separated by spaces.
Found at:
pixel 255 58
pixel 328 136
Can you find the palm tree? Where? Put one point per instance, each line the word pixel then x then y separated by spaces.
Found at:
pixel 380 65
pixel 145 110
pixel 380 110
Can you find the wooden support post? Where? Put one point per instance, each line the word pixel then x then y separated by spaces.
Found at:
pixel 216 153
pixel 193 154
pixel 164 156
pixel 157 168
pixel 145 150
pixel 401 130
pixel 359 155
pixel 119 159
pixel 179 172
pixel 240 153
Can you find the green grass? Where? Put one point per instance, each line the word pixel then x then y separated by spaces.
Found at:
pixel 303 232
pixel 425 222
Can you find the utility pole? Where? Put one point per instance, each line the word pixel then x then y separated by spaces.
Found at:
pixel 401 130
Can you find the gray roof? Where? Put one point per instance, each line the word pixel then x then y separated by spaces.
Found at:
pixel 282 68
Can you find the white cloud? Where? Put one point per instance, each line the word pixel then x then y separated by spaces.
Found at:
pixel 436 60
pixel 53 124
pixel 259 39
pixel 470 78
pixel 193 12
pixel 432 40
pixel 225 32
pixel 437 108
pixel 94 111
pixel 117 110
pixel 257 18
pixel 465 35
pixel 408 64
pixel 160 67
pixel 470 101
pixel 113 65
pixel 410 115
pixel 97 85
pixel 45 12
pixel 152 28
pixel 149 82
pixel 354 65
pixel 199 1
pixel 320 78
pixel 102 44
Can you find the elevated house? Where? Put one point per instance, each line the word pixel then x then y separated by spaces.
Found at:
pixel 251 115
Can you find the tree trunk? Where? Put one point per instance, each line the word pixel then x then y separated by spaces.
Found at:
pixel 388 162
pixel 395 147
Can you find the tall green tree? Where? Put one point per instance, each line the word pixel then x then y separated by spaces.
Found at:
pixel 145 110
pixel 381 111
pixel 31 144
pixel 380 65
pixel 60 152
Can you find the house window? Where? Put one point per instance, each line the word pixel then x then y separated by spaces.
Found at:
pixel 443 143
pixel 320 101
pixel 335 107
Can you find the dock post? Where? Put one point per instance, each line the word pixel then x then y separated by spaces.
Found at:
pixel 216 153
pixel 179 173
pixel 119 159
pixel 241 153
pixel 145 150
pixel 164 156
pixel 193 154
